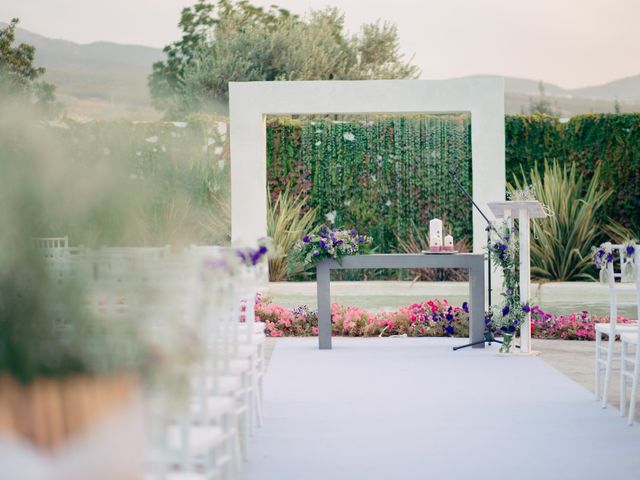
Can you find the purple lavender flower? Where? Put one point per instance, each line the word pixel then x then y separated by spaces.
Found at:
pixel 324 228
pixel 361 239
pixel 354 232
pixel 609 257
pixel 306 239
pixel 465 307
pixel 322 245
pixel 505 310
pixel 316 253
pixel 630 250
pixel 526 308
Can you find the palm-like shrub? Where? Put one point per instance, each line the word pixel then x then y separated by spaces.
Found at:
pixel 561 244
pixel 287 222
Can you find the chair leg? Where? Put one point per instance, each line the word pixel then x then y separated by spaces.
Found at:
pixel 634 386
pixel 607 371
pixel 597 365
pixel 623 379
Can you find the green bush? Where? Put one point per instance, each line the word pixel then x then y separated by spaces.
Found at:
pixel 381 176
pixel 561 243
pixel 608 141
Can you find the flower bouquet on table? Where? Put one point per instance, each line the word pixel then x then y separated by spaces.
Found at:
pixel 333 243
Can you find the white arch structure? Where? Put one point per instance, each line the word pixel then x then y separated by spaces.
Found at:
pixel 251 102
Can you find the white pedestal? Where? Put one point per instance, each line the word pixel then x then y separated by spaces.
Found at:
pixel 524 211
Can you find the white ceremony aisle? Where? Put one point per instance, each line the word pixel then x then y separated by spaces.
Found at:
pixel 399 408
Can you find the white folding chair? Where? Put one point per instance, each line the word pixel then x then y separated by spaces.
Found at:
pixel 605 354
pixel 629 357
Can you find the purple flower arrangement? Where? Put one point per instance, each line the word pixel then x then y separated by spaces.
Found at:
pixel 602 256
pixel 331 243
pixel 252 256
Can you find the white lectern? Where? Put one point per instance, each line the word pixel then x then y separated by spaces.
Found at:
pixel 524 210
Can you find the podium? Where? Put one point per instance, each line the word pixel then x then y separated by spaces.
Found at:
pixel 523 211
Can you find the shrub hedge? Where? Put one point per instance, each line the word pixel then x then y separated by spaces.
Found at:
pixel 380 175
pixel 609 140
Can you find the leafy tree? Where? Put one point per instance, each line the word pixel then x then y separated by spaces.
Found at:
pixel 542 104
pixel 230 41
pixel 18 75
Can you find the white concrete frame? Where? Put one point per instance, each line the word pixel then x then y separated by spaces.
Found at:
pixel 251 102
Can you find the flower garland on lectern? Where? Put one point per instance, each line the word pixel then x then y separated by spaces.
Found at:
pixel 510 315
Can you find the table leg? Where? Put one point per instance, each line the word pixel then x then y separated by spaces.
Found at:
pixel 324 306
pixel 476 309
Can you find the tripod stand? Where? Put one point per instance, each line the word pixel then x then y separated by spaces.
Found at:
pixel 488 334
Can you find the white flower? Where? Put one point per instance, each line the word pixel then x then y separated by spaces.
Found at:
pixel 222 128
pixel 218 150
pixel 180 124
pixel 318 143
pixel 373 178
pixel 388 203
pixel 58 124
pixel 347 203
pixel 153 139
pixel 331 217
pixel 348 136
pixel 211 141
pixel 221 164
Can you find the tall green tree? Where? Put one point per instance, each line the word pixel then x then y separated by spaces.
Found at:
pixel 19 77
pixel 236 41
pixel 542 105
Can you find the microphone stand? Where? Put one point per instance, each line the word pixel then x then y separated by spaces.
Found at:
pixel 488 334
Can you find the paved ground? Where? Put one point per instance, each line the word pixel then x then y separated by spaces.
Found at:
pixel 564 297
pixel 369 409
pixel 572 358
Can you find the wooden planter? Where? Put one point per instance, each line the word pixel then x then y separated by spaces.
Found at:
pixel 50 411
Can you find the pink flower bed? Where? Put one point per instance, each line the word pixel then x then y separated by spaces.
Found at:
pixel 575 326
pixel 434 318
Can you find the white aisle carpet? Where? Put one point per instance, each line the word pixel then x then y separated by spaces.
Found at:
pixel 409 408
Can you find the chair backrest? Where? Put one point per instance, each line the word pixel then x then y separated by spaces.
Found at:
pixel 51 242
pixel 620 263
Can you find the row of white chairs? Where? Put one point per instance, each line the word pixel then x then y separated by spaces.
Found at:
pixel 199 296
pixel 607 359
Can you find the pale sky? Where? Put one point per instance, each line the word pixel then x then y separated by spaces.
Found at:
pixel 572 43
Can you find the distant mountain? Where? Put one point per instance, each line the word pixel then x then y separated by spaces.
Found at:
pixel 624 89
pixel 525 85
pixel 96 80
pixel 108 80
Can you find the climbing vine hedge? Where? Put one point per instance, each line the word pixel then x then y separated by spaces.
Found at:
pixel 384 176
pixel 609 140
